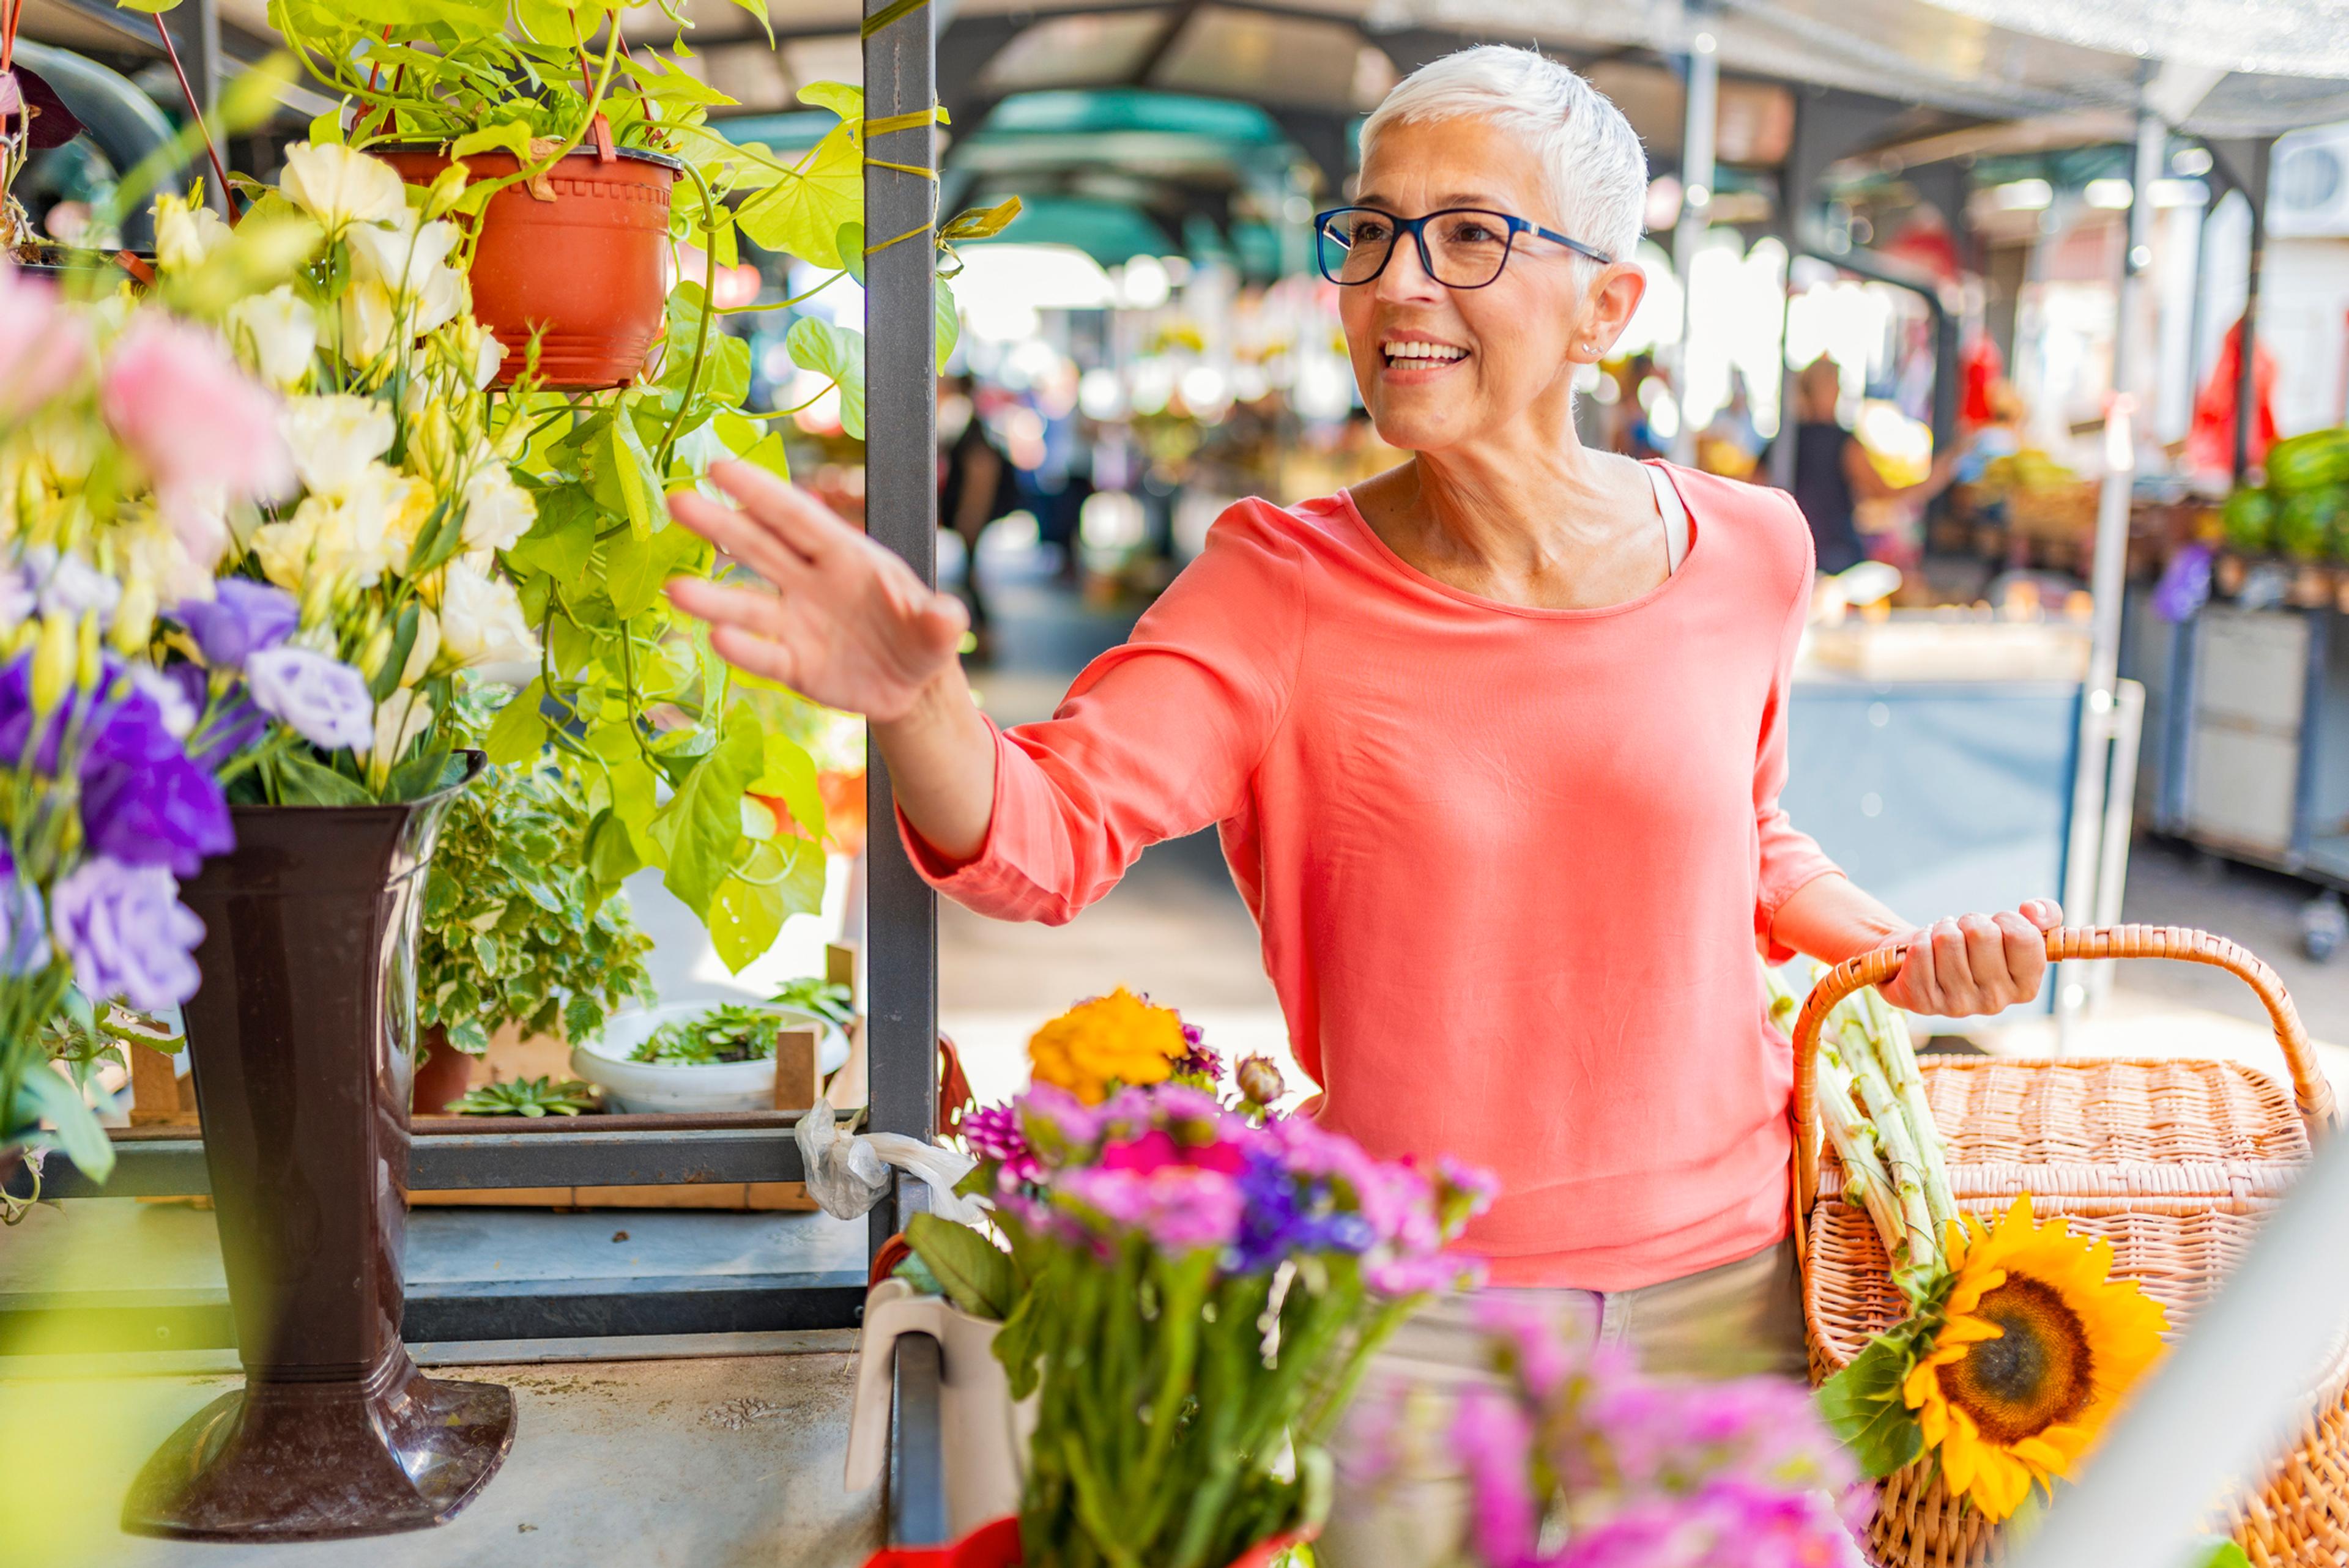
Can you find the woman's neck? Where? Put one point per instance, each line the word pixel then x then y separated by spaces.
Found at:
pixel 1525 516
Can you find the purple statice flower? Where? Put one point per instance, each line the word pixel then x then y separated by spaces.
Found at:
pixel 1180 1208
pixel 1492 1437
pixel 1727 1524
pixel 1526 1334
pixel 23 923
pixel 242 618
pixel 324 699
pixel 126 932
pixel 994 1133
pixel 1288 1216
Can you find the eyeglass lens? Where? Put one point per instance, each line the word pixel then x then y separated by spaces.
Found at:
pixel 1465 250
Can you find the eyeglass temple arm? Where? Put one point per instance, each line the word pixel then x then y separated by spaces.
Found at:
pixel 1576 246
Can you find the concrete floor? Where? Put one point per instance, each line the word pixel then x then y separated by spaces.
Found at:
pixel 719 1462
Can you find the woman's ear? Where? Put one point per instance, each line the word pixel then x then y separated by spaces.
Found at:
pixel 1608 307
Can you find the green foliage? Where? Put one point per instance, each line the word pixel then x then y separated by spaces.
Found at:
pixel 1862 1407
pixel 827 999
pixel 729 1032
pixel 974 1274
pixel 527 1096
pixel 516 929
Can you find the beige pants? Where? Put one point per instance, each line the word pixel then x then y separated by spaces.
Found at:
pixel 1736 1320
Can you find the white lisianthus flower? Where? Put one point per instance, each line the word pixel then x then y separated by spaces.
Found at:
pixel 497 511
pixel 339 187
pixel 408 503
pixel 411 262
pixel 344 541
pixel 475 349
pixel 186 233
pixel 481 621
pixel 286 548
pixel 399 718
pixel 276 334
pixel 367 317
pixel 334 439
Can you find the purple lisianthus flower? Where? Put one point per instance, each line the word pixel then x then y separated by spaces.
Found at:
pixel 143 801
pixel 23 923
pixel 324 699
pixel 128 934
pixel 242 618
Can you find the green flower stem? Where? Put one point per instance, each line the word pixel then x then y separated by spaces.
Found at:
pixel 1888 1034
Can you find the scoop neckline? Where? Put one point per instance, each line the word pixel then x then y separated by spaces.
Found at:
pixel 1537 612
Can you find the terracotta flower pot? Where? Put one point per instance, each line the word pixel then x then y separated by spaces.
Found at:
pixel 997 1545
pixel 588 271
pixel 443 1075
pixel 300 1040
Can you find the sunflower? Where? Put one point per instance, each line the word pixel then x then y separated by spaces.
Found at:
pixel 2035 1351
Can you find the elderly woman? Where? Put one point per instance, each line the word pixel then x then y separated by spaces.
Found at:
pixel 1493 742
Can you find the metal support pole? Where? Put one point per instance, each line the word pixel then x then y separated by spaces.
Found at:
pixel 2255 193
pixel 1696 202
pixel 901 512
pixel 2081 875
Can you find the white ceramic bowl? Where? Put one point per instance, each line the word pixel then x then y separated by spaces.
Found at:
pixel 631 1085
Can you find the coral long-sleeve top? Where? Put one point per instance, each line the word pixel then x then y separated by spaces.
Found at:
pixel 1509 864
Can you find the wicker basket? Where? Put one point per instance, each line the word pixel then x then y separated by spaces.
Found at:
pixel 2174 1161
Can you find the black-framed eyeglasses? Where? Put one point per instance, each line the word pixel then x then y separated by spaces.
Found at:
pixel 1459 247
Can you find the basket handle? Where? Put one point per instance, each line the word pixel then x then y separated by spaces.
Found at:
pixel 2310 1088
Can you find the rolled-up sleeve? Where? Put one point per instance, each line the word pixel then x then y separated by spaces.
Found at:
pixel 1158 737
pixel 1789 859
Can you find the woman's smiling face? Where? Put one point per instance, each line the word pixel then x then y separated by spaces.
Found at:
pixel 1437 366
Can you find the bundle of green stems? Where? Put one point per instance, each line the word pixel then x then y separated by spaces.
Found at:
pixel 1872 1105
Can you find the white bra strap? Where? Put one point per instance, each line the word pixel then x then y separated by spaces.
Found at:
pixel 1674 515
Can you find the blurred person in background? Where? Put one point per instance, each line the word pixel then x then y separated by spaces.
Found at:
pixel 1833 473
pixel 976 486
pixel 1494 740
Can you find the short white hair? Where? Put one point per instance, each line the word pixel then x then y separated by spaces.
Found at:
pixel 1597 171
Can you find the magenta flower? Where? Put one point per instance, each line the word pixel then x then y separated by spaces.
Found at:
pixel 1179 1209
pixel 1493 1438
pixel 1157 1151
pixel 43 348
pixel 995 1134
pixel 1537 1355
pixel 179 400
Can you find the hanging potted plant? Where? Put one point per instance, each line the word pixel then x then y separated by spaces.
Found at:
pixel 515 929
pixel 582 161
pixel 1159 1245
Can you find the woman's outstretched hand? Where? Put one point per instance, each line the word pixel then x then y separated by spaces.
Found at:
pixel 1975 964
pixel 848 623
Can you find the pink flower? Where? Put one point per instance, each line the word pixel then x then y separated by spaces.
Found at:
pixel 1493 1439
pixel 1157 1151
pixel 43 347
pixel 179 399
pixel 1179 1209
pixel 1537 1353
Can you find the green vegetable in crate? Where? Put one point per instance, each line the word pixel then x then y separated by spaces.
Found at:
pixel 2306 520
pixel 2313 462
pixel 2250 519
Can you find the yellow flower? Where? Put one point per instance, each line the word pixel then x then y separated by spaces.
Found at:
pixel 2037 1351
pixel 1114 1039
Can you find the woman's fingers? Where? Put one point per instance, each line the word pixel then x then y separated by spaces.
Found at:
pixel 787 513
pixel 737 534
pixel 759 656
pixel 1917 987
pixel 762 614
pixel 1953 967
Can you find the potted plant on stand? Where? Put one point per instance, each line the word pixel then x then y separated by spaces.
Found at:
pixel 516 931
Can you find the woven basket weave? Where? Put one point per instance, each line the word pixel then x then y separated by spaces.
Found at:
pixel 2174 1161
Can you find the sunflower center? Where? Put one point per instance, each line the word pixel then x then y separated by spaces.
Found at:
pixel 2036 1375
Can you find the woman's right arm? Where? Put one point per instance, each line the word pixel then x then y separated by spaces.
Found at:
pixel 849 624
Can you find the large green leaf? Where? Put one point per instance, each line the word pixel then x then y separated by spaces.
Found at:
pixel 640 566
pixel 519 732
pixel 843 98
pixel 1862 1407
pixel 703 819
pixel 304 782
pixel 55 1099
pixel 506 136
pixel 949 321
pixel 783 877
pixel 633 476
pixel 974 1272
pixel 789 776
pixel 837 352
pixel 802 211
pixel 560 542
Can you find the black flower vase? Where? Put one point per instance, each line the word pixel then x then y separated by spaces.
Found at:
pixel 300 1039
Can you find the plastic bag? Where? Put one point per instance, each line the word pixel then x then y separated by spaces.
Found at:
pixel 847 1173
